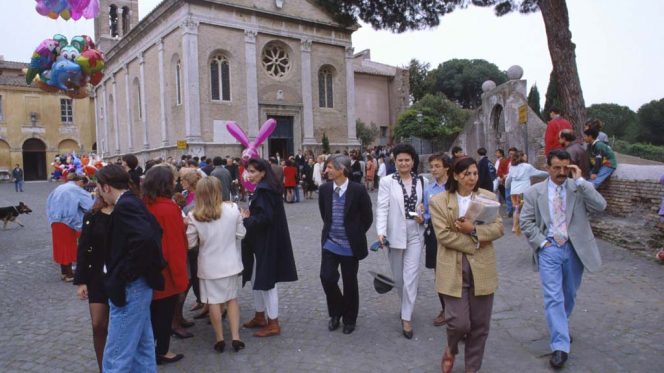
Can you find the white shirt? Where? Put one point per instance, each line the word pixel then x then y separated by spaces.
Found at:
pixel 343 187
pixel 381 170
pixel 463 203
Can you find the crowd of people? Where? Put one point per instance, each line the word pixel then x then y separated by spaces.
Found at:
pixel 149 236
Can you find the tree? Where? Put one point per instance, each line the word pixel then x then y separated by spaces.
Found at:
pixel 325 142
pixel 534 99
pixel 434 116
pixel 619 121
pixel 551 99
pixel 461 80
pixel 418 72
pixel 651 122
pixel 403 15
pixel 366 134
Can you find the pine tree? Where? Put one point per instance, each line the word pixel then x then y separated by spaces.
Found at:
pixel 534 99
pixel 552 99
pixel 326 144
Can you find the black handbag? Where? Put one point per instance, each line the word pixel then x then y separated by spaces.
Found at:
pixel 430 247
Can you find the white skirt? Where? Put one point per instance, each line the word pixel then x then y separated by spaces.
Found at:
pixel 220 290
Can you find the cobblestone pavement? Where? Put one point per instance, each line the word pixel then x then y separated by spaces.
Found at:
pixel 617 324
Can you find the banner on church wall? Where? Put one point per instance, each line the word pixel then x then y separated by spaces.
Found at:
pixel 221 134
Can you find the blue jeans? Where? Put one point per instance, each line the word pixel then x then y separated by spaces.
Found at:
pixel 508 200
pixel 18 185
pixel 130 342
pixel 560 272
pixel 603 174
pixel 297 193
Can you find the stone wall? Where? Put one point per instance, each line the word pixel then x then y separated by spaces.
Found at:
pixel 633 195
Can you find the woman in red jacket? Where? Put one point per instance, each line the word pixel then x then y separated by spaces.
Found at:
pixel 158 188
pixel 290 180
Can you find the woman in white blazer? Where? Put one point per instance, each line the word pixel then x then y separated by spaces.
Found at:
pixel 399 220
pixel 215 226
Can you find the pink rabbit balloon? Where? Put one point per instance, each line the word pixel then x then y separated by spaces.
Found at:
pixel 251 147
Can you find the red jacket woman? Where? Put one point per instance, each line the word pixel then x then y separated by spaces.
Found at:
pixel 290 175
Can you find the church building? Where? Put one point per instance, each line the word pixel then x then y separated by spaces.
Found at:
pixel 175 78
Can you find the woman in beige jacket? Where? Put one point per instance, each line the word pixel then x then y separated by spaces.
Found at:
pixel 466 265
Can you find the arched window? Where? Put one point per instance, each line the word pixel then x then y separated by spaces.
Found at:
pixel 326 87
pixel 126 19
pixel 220 79
pixel 178 83
pixel 113 20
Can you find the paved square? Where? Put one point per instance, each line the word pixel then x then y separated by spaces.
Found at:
pixel 617 324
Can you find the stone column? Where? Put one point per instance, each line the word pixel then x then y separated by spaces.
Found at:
pixel 115 115
pixel 191 92
pixel 350 98
pixel 162 95
pixel 307 98
pixel 142 95
pixel 128 100
pixel 104 114
pixel 252 82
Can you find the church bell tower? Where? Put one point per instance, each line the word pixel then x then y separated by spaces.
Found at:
pixel 116 18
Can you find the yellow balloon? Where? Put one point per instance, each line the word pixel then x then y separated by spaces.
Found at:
pixel 65 14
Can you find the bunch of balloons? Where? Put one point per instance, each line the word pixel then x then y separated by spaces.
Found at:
pixel 67 9
pixel 57 65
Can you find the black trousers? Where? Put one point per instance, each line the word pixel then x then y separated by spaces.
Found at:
pixel 161 313
pixel 192 257
pixel 344 305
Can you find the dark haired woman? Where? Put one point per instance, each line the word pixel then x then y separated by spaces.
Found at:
pixel 269 240
pixel 89 276
pixel 466 264
pixel 158 188
pixel 399 219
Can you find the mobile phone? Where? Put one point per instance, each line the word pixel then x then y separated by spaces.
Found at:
pixel 413 214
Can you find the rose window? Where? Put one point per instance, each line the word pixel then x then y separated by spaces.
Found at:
pixel 276 61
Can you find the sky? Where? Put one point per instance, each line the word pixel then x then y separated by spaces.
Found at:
pixel 619 44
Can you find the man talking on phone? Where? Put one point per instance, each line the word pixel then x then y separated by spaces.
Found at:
pixel 555 221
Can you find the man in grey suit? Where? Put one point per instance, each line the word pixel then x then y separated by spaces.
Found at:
pixel 555 221
pixel 221 173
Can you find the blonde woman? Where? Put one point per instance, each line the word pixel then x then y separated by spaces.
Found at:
pixel 215 226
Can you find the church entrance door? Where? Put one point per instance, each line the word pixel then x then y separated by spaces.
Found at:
pixel 34 159
pixel 281 140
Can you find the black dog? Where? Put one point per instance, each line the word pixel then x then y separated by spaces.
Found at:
pixel 11 213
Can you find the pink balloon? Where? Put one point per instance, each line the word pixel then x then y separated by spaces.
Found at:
pixel 92 9
pixel 266 130
pixel 238 133
pixel 244 179
pixel 77 7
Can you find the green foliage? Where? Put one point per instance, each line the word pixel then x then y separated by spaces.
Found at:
pixel 651 122
pixel 433 116
pixel 552 98
pixel 619 121
pixel 645 151
pixel 366 134
pixel 419 85
pixel 534 99
pixel 326 144
pixel 461 80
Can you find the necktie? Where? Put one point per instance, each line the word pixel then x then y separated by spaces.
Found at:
pixel 337 190
pixel 559 221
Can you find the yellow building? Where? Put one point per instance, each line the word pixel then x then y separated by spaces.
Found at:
pixel 35 125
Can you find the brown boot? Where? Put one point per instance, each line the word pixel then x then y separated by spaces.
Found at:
pixel 257 322
pixel 271 329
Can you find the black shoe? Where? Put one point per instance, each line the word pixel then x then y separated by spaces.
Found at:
pixel 558 359
pixel 408 334
pixel 348 328
pixel 510 214
pixel 168 360
pixel 237 345
pixel 334 323
pixel 219 346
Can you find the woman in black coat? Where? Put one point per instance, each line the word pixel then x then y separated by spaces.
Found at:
pixel 89 276
pixel 269 240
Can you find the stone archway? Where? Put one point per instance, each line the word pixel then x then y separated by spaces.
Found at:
pixel 5 156
pixel 498 126
pixel 34 159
